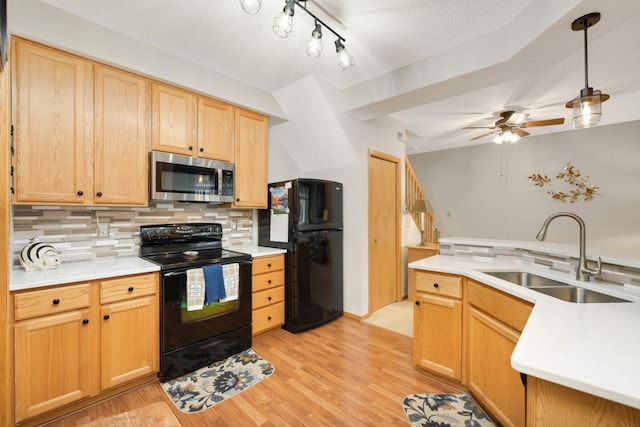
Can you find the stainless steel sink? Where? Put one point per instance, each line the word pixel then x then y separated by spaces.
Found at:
pixel 577 294
pixel 523 278
pixel 554 288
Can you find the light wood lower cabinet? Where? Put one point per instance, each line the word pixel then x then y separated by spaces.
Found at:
pixel 438 324
pixel 267 293
pixel 72 344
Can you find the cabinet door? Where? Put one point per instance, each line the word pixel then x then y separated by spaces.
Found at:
pixel 53 119
pixel 122 138
pixel 215 130
pixel 55 359
pixel 438 334
pixel 175 126
pixel 251 155
pixel 129 340
pixel 491 379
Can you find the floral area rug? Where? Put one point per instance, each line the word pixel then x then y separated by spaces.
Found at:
pixel 444 410
pixel 221 380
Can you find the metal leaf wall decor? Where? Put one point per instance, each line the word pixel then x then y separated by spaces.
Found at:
pixel 573 177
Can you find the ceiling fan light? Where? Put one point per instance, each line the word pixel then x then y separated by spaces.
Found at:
pixel 498 139
pixel 251 6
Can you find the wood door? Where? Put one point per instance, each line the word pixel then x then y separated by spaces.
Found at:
pixel 129 340
pixel 54 361
pixel 384 230
pixel 251 158
pixel 122 138
pixel 175 120
pixel 438 334
pixel 491 379
pixel 215 130
pixel 53 106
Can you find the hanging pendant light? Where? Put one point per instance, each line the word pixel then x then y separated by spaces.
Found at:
pixel 314 45
pixel 251 6
pixel 587 107
pixel 344 59
pixel 283 22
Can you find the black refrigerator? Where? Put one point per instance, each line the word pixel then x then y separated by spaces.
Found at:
pixel 304 216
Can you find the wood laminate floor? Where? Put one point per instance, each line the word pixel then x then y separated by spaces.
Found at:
pixel 345 373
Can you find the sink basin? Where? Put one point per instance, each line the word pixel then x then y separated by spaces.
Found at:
pixel 554 288
pixel 523 278
pixel 578 295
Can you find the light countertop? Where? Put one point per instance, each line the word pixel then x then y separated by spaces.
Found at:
pixel 588 347
pixel 100 269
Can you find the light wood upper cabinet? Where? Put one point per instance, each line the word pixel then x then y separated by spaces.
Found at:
pixel 53 122
pixel 81 130
pixel 215 130
pixel 122 137
pixel 175 120
pixel 251 159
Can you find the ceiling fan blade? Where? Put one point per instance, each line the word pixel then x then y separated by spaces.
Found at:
pixel 549 122
pixel 481 136
pixel 478 127
pixel 521 133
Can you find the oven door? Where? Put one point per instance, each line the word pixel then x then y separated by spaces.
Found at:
pixel 180 327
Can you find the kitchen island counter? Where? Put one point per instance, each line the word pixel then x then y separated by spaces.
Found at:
pixel 589 347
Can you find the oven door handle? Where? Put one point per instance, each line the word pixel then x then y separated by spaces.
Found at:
pixel 174 273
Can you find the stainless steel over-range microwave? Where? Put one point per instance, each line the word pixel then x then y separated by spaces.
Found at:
pixel 189 179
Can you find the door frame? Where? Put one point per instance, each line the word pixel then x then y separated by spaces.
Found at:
pixel 398 258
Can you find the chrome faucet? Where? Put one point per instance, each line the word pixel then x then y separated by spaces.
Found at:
pixel 583 272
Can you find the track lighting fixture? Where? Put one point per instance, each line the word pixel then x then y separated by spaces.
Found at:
pixel 587 107
pixel 314 45
pixel 251 6
pixel 283 25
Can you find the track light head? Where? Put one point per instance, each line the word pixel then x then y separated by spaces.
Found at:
pixel 344 59
pixel 283 22
pixel 314 45
pixel 251 6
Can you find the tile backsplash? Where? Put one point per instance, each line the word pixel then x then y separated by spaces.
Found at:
pixel 73 231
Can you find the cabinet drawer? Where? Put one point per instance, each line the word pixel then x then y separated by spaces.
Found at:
pixel 439 284
pixel 267 264
pixel 267 280
pixel 50 301
pixel 510 310
pixel 266 297
pixel 267 317
pixel 127 287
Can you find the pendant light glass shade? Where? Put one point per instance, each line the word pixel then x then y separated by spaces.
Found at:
pixel 314 45
pixel 587 107
pixel 251 6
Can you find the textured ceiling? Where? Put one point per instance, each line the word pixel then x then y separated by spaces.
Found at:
pixel 435 65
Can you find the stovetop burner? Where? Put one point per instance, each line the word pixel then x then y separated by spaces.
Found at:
pixel 174 246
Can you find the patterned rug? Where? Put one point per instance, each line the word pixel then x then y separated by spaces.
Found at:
pixel 213 384
pixel 444 410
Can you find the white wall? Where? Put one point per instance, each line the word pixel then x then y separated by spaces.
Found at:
pixel 466 183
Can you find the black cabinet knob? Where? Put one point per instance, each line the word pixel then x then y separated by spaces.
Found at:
pixel 201 150
pixel 269 281
pixel 190 148
pixel 106 317
pixel 435 285
pixel 269 265
pixel 269 318
pixel 237 200
pixel 130 289
pixel 99 194
pixel 417 302
pixel 85 321
pixel 268 298
pixel 80 192
pixel 56 301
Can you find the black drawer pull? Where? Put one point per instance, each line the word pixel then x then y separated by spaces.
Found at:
pixel 106 317
pixel 269 298
pixel 56 301
pixel 269 318
pixel 190 148
pixel 201 150
pixel 269 281
pixel 80 192
pixel 130 288
pixel 85 321
pixel 417 302
pixel 99 194
pixel 435 285
pixel 269 265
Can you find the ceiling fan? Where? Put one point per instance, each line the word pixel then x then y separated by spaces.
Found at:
pixel 510 127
